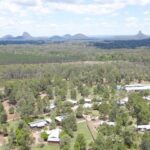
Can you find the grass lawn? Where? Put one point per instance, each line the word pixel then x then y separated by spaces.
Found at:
pixel 82 128
pixel 13 124
pixel 47 147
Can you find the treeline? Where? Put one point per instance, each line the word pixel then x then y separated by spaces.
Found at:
pixel 36 42
pixel 113 72
pixel 119 44
pixel 68 52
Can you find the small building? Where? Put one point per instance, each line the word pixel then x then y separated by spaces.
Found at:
pixel 38 124
pixel 147 98
pixel 107 123
pixel 52 106
pixel 143 127
pixel 49 120
pixel 136 87
pixel 123 101
pixel 74 108
pixel 53 135
pixel 59 119
pixel 87 100
pixel 87 105
pixel 110 123
pixel 119 87
pixel 73 102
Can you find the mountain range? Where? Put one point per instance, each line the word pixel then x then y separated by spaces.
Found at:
pixel 27 37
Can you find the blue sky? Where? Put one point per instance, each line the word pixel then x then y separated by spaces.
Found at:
pixel 59 17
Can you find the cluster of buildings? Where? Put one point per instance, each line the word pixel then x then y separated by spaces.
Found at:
pixel 53 135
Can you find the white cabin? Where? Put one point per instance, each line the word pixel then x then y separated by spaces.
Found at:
pixel 53 135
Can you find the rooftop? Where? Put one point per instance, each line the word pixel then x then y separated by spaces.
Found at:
pixel 53 135
pixel 38 123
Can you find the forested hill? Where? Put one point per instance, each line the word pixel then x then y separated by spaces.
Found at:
pixel 118 44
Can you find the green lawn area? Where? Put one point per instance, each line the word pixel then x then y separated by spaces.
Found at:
pixel 82 128
pixel 13 124
pixel 47 147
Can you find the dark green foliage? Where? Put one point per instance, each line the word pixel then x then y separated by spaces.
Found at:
pixel 139 108
pixel 65 142
pixel 20 137
pixel 44 136
pixel 80 143
pixel 145 145
pixel 3 115
pixel 50 92
pixel 104 109
pixel 73 94
pixel 115 138
pixel 11 110
pixel 69 124
pixel 79 112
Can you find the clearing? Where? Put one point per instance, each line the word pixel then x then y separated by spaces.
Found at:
pixel 82 128
pixel 10 117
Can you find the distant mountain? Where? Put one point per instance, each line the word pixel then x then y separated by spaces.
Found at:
pixel 56 38
pixel 67 36
pixel 27 37
pixel 140 35
pixel 24 36
pixel 79 36
pixel 9 36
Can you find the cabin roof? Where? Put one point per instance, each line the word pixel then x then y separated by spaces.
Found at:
pixel 53 135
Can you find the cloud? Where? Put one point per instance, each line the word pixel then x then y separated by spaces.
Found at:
pixel 64 1
pixel 126 2
pixel 132 22
pixel 25 2
pixel 95 14
pixel 95 7
pixel 146 12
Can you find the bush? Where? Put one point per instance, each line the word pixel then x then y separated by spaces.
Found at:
pixel 11 110
pixel 44 136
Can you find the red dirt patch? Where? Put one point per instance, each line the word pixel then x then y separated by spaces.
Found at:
pixel 2 140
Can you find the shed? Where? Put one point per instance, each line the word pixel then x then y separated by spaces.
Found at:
pixel 53 135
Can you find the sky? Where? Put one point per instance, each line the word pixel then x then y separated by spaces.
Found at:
pixel 59 17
